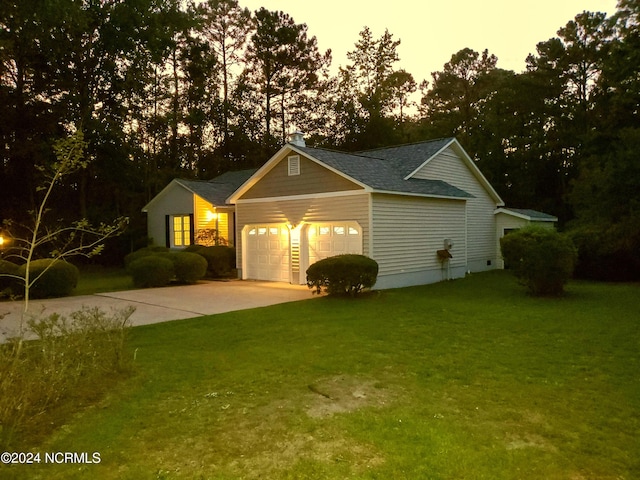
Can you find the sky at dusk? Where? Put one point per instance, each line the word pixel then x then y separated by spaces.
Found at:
pixel 431 31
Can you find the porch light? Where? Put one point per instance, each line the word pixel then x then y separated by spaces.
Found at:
pixel 209 215
pixel 294 227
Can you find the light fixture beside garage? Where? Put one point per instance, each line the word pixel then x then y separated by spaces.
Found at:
pixel 209 215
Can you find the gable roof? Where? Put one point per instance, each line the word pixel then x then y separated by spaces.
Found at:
pixel 410 157
pixel 218 189
pixel 382 174
pixel 215 191
pixel 385 170
pixel 528 214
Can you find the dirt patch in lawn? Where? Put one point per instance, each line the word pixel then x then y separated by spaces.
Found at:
pixel 344 394
pixel 261 435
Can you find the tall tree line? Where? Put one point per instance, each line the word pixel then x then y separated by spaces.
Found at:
pixel 164 89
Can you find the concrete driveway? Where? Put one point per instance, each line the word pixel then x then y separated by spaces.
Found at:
pixel 154 305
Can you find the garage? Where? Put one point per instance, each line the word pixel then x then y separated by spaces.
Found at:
pixel 334 238
pixel 266 255
pixel 269 248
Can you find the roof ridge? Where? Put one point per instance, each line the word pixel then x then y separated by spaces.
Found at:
pixel 422 142
pixel 342 152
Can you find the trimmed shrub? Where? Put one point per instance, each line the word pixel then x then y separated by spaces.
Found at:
pixel 541 258
pixel 342 274
pixel 151 271
pixel 189 267
pixel 144 252
pixel 57 278
pixel 221 260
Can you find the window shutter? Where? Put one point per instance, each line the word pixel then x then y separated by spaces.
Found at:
pixel 167 231
pixel 192 228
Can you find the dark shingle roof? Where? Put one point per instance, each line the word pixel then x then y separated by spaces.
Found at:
pixel 385 169
pixel 217 190
pixel 408 157
pixel 533 214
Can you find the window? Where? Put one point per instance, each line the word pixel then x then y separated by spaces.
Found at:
pixel 294 165
pixel 181 230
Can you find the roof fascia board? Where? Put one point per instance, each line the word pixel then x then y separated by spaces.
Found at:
pixel 343 193
pixel 507 211
pixel 422 195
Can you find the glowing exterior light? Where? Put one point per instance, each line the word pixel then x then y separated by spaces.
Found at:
pixel 209 215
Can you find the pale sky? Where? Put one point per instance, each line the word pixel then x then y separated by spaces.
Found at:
pixel 431 31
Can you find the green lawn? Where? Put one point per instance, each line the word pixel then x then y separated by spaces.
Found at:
pixel 466 379
pixel 101 279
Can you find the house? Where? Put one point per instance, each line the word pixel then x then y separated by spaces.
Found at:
pixel 398 205
pixel 190 211
pixel 423 211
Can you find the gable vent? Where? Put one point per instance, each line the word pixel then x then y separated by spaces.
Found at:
pixel 294 165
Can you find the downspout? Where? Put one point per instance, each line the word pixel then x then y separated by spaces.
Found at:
pixel 466 236
pixel 370 222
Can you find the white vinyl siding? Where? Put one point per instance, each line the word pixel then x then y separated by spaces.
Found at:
pixel 481 223
pixel 176 201
pixel 407 233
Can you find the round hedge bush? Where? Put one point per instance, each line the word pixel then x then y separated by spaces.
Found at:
pixel 144 252
pixel 55 278
pixel 8 268
pixel 221 260
pixel 541 258
pixel 189 267
pixel 342 274
pixel 151 271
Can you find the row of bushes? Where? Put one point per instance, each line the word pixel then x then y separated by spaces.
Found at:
pixel 158 266
pixel 52 278
pixel 607 252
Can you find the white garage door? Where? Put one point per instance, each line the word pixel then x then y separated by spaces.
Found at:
pixel 336 238
pixel 267 252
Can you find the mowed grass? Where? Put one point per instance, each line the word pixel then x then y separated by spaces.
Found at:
pixel 469 379
pixel 95 279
